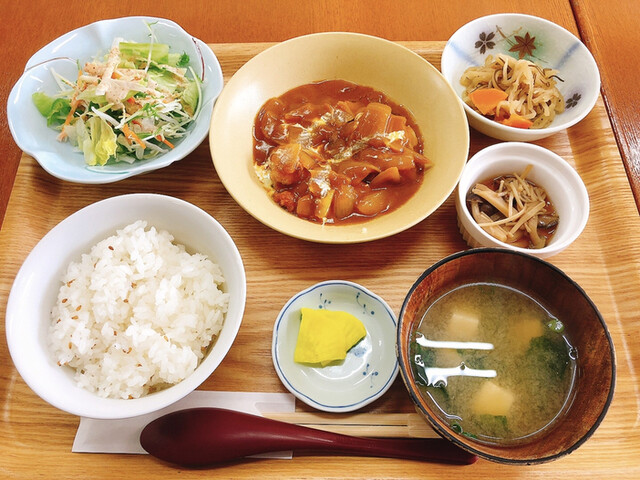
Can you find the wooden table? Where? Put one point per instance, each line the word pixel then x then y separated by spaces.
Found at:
pixel 35 438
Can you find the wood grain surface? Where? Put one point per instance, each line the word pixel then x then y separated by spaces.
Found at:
pixel 612 35
pixel 36 439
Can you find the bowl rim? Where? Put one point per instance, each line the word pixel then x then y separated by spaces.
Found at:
pixel 111 408
pixel 331 234
pixel 549 157
pixel 528 133
pixel 406 374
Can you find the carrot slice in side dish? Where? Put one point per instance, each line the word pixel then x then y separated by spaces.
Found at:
pixel 515 120
pixel 486 99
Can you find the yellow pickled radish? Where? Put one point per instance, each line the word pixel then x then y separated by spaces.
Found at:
pixel 326 336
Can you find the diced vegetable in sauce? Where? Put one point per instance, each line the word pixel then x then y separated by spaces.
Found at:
pixel 336 152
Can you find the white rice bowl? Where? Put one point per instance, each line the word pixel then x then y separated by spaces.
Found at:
pixel 36 290
pixel 137 313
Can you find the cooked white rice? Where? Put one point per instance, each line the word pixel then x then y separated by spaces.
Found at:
pixel 137 313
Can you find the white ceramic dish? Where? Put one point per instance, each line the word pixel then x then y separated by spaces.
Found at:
pixel 370 366
pixel 550 46
pixel 29 128
pixel 36 286
pixel 562 183
pixel 405 77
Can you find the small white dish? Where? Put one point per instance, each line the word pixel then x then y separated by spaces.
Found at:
pixel 37 283
pixel 550 171
pixel 538 40
pixel 29 127
pixel 368 370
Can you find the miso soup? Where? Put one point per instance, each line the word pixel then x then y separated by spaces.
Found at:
pixel 496 364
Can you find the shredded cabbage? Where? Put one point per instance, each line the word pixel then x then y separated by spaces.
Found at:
pixel 133 104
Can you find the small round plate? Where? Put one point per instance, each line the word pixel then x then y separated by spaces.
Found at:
pixel 370 366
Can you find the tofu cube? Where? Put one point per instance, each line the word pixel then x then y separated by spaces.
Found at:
pixel 463 326
pixel 492 399
pixel 522 331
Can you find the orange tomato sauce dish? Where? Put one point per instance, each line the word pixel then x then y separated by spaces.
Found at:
pixel 334 152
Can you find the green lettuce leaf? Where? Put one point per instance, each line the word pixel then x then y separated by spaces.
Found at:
pixel 164 77
pixel 190 98
pixel 55 110
pixel 132 52
pixel 89 95
pixel 181 60
pixel 100 143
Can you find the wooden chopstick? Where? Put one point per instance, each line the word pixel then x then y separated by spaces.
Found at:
pixel 397 425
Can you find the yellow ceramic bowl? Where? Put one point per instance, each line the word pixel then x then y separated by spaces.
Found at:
pixel 402 75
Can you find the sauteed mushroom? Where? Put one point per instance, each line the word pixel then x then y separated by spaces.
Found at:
pixel 514 210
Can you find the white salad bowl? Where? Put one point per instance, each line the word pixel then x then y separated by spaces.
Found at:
pixel 60 159
pixel 35 290
pixel 540 41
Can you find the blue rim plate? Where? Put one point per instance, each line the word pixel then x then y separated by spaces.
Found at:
pixel 370 367
pixel 60 159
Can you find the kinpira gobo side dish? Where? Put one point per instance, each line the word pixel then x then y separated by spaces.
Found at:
pixel 515 93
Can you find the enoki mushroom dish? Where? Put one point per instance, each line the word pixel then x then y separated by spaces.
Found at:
pixel 514 210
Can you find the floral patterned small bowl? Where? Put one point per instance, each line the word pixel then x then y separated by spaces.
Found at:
pixel 534 39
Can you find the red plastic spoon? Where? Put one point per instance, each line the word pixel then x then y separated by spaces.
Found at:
pixel 205 436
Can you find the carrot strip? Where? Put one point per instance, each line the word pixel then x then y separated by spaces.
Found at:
pixel 515 120
pixel 132 137
pixel 74 105
pixel 165 141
